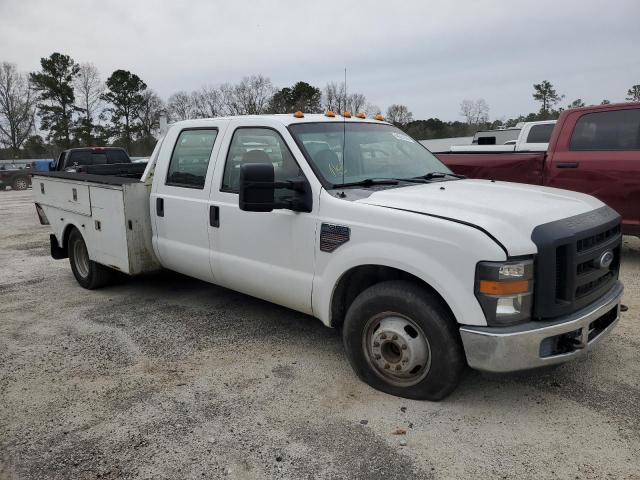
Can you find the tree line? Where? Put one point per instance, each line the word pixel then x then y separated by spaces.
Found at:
pixel 67 104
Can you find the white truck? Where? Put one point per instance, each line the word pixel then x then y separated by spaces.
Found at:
pixel 352 221
pixel 532 137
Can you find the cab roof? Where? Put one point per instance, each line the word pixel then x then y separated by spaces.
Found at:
pixel 287 119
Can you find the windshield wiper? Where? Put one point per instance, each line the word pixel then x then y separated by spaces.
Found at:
pixel 368 182
pixel 432 175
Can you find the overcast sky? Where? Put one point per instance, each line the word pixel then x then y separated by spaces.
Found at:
pixel 429 55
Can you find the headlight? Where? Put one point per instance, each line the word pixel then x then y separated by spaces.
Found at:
pixel 505 290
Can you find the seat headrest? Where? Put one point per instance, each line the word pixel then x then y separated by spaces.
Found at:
pixel 256 156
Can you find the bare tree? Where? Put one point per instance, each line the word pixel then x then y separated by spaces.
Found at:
pixel 399 115
pixel 335 97
pixel 149 114
pixel 17 107
pixel 482 111
pixel 356 102
pixel 372 109
pixel 251 96
pixel 89 88
pixel 207 102
pixel 180 106
pixel 476 112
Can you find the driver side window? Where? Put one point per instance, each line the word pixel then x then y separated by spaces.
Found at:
pixel 257 145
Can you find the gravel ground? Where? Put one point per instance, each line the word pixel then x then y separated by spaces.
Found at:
pixel 169 377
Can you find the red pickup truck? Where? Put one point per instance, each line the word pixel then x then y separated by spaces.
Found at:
pixel 595 150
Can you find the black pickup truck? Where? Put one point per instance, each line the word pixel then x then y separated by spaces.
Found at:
pixel 70 160
pixel 15 177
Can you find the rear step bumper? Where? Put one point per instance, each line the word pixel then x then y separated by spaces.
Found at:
pixel 538 344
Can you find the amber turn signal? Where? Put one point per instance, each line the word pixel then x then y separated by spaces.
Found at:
pixel 491 287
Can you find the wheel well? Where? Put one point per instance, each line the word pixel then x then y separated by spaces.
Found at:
pixel 358 279
pixel 65 236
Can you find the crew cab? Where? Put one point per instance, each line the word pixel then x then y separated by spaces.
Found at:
pixel 71 159
pixel 352 221
pixel 594 150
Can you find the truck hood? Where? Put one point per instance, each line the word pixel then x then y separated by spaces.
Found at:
pixel 506 211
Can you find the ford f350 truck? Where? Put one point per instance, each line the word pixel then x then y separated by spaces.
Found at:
pixel 352 221
pixel 593 150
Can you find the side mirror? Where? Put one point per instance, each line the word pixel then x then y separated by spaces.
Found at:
pixel 257 187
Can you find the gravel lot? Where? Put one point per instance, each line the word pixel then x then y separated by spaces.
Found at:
pixel 169 377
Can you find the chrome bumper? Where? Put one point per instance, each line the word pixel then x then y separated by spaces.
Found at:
pixel 538 344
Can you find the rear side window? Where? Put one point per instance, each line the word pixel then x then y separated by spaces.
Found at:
pixel 87 157
pixel 540 133
pixel 190 158
pixel 117 156
pixel 615 130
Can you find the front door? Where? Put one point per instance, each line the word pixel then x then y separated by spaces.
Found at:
pixel 269 255
pixel 601 157
pixel 179 201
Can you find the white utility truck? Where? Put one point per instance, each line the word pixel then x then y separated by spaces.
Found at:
pixel 532 137
pixel 354 222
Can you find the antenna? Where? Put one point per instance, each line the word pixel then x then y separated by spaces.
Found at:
pixel 345 88
pixel 344 126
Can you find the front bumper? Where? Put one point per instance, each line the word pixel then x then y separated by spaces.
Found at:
pixel 538 344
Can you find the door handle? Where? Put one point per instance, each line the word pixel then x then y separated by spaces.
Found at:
pixel 567 165
pixel 214 216
pixel 160 207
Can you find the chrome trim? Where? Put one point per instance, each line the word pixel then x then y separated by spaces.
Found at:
pixel 506 349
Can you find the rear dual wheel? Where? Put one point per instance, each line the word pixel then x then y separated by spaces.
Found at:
pixel 88 273
pixel 402 340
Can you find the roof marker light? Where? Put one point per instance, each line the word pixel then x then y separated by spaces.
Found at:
pixel 298 114
pixel 346 114
pixel 330 114
pixel 361 115
pixel 379 117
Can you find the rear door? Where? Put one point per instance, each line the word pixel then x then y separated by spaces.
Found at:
pixel 179 199
pixel 599 153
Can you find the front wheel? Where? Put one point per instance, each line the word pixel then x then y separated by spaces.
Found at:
pixel 402 340
pixel 88 273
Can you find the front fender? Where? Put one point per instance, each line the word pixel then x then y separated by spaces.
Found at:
pixel 443 265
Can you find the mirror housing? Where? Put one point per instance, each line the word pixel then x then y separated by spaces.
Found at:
pixel 258 186
pixel 257 189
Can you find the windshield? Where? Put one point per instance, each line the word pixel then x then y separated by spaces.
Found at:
pixel 367 151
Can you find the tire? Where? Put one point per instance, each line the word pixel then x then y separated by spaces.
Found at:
pixel 88 273
pixel 20 183
pixel 401 339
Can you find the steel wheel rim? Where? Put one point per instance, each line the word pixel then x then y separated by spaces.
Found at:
pixel 81 258
pixel 21 184
pixel 397 349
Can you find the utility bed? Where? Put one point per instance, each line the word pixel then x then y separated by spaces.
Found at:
pixel 111 212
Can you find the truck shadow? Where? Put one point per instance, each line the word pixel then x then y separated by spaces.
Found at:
pixel 169 315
